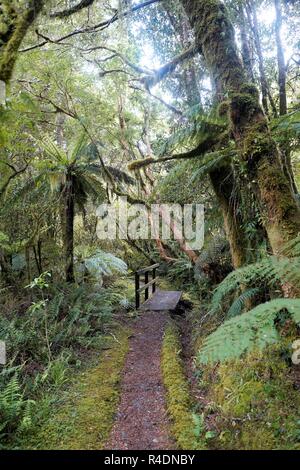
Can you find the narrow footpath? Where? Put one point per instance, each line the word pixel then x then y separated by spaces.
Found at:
pixel 141 420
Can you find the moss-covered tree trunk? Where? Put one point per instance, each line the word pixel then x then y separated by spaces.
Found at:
pixel 15 19
pixel 215 36
pixel 280 60
pixel 222 181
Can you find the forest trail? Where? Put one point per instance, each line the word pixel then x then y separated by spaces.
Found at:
pixel 141 421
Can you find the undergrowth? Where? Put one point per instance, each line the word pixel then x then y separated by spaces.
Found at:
pixel 85 413
pixel 50 335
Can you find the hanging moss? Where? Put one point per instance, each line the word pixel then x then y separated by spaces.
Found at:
pixel 223 108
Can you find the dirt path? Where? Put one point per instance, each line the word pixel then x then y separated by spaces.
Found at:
pixel 141 420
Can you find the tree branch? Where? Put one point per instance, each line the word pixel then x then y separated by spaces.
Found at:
pixel 74 9
pixel 98 27
pixel 201 149
pixel 168 68
pixel 10 43
pixel 11 177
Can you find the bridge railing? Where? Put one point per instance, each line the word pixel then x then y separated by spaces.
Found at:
pixel 145 271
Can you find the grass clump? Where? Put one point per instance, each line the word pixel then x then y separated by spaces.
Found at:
pixel 186 426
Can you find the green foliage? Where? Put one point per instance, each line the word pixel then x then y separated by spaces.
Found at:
pixel 102 264
pixel 270 270
pixel 43 344
pixel 216 253
pixel 85 412
pixel 181 271
pixel 40 282
pixel 251 330
pixel 212 161
pixel 196 130
pixel 75 318
pixel 15 410
pixel 287 126
pixel 239 303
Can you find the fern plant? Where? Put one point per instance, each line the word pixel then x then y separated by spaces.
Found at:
pixel 271 270
pixel 101 264
pixel 15 411
pixel 255 328
pixel 239 303
pixel 198 127
pixel 251 330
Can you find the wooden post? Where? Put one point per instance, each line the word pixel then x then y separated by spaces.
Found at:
pixel 137 293
pixel 147 288
pixel 154 284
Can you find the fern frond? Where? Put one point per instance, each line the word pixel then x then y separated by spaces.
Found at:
pixel 292 248
pixel 53 150
pixel 199 127
pixel 238 305
pixel 79 148
pixel 251 330
pixel 288 123
pixel 103 264
pixel 212 161
pixel 270 270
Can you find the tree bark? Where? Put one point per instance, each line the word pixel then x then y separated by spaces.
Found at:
pixel 69 228
pixel 285 150
pixel 253 21
pixel 280 60
pixel 246 53
pixel 222 181
pixel 215 36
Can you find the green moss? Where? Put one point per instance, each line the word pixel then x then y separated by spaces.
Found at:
pixel 178 397
pixel 138 164
pixel 223 108
pixel 85 419
pixel 215 34
pixel 243 107
pixel 11 39
pixel 259 407
pixel 250 89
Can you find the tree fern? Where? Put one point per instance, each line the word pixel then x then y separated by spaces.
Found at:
pixel 269 270
pixel 101 264
pixel 251 330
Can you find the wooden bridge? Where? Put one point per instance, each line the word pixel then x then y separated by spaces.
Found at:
pixel 158 299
